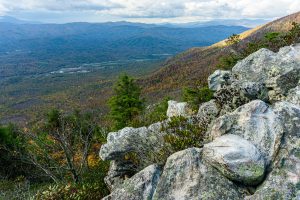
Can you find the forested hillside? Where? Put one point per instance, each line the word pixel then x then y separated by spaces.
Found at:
pixel 196 64
pixel 73 65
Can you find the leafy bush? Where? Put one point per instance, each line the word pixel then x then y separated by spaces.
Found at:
pixel 196 96
pixel 152 114
pixel 12 151
pixel 72 192
pixel 227 62
pixel 93 187
pixel 17 189
pixel 183 133
pixel 180 133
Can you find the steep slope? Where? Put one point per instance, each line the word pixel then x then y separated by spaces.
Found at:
pixel 195 65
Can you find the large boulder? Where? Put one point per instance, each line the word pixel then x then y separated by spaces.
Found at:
pixel 236 158
pixel 139 187
pixel 257 66
pixel 255 122
pixel 176 109
pixel 219 79
pixel 284 180
pixel 276 72
pixel 138 140
pixel 186 176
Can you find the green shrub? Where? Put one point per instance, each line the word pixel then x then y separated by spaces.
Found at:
pixel 12 151
pixel 71 192
pixel 196 96
pixel 227 62
pixel 152 114
pixel 93 187
pixel 126 103
pixel 183 133
pixel 180 133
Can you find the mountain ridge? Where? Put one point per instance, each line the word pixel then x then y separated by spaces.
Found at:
pixel 195 65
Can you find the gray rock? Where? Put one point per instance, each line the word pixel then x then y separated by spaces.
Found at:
pixel 207 113
pixel 289 115
pixel 187 177
pixel 257 66
pixel 294 96
pixel 139 187
pixel 236 158
pixel 284 180
pixel 138 140
pixel 118 171
pixel 176 109
pixel 281 81
pixel 255 122
pixel 254 68
pixel 278 72
pixel 208 109
pixel 219 79
pixel 252 90
pixel 230 98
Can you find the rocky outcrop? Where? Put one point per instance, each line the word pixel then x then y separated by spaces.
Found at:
pixel 141 142
pixel 186 176
pixel 258 66
pixel 278 72
pixel 237 158
pixel 284 180
pixel 252 140
pixel 255 122
pixel 138 140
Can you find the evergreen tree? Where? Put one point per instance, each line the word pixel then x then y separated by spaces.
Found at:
pixel 126 104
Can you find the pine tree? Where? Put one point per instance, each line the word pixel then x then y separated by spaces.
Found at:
pixel 126 104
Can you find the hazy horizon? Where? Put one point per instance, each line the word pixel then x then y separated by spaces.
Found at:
pixel 146 11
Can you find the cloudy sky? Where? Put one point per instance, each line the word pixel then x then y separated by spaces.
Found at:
pixel 150 11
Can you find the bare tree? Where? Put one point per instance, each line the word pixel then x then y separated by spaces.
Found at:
pixel 62 145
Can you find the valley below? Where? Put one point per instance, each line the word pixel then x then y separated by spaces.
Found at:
pixel 73 66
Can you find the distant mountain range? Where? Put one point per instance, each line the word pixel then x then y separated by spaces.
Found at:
pixel 79 43
pixel 13 20
pixel 225 22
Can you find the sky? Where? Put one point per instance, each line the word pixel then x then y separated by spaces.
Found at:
pixel 146 11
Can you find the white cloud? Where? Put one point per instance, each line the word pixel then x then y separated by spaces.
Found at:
pixel 159 10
